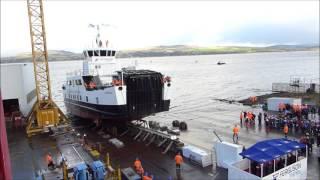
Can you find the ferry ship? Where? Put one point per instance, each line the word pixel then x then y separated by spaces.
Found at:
pixel 103 90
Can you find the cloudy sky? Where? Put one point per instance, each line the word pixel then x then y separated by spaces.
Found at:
pixel 141 24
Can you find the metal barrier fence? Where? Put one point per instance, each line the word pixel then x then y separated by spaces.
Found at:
pixel 295 87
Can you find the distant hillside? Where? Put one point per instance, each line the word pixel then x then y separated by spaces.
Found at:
pixel 179 50
pixel 53 56
pixel 295 47
pixel 176 50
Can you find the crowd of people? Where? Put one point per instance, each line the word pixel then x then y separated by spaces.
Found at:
pixel 301 120
pixel 297 119
pixel 247 117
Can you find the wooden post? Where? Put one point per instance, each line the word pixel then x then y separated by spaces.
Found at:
pixel 249 166
pixel 119 173
pixel 65 171
pixel 107 160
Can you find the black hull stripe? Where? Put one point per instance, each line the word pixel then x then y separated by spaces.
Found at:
pixel 92 109
pixel 109 111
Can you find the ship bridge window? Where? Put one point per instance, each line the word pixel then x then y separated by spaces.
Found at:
pixel 103 52
pixel 78 82
pixel 87 98
pixel 90 53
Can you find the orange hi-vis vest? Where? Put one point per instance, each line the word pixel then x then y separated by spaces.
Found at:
pixel 250 116
pixel 137 164
pixel 235 130
pixel 49 159
pixel 146 178
pixel 285 129
pixel 178 159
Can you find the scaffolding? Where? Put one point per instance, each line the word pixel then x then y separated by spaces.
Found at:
pixel 297 84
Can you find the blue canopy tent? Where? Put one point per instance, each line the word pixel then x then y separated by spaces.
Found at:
pixel 267 150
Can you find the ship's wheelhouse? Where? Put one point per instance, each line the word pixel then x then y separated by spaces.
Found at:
pixel 99 53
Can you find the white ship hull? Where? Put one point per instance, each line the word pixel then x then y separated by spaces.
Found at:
pixel 105 91
pixel 144 94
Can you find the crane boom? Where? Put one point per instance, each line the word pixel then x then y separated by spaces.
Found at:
pixel 45 112
pixel 39 52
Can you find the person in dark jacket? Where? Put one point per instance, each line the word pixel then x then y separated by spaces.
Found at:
pixel 318 154
pixel 308 142
pixel 259 118
pixel 318 137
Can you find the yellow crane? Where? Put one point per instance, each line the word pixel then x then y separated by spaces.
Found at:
pixel 45 113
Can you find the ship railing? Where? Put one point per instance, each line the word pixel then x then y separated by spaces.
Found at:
pixel 99 87
pixel 80 73
pixel 75 73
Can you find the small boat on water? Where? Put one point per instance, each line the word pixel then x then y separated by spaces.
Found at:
pixel 220 63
